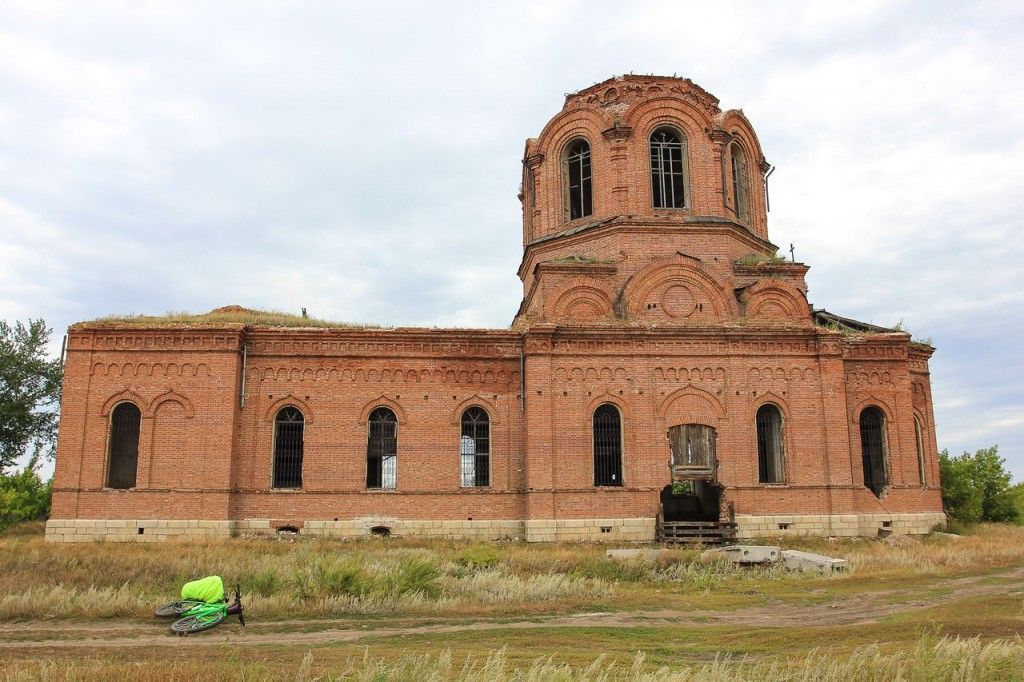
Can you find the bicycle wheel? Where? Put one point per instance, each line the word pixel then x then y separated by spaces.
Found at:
pixel 190 624
pixel 177 608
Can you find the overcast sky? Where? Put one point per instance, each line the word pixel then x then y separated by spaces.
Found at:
pixel 362 159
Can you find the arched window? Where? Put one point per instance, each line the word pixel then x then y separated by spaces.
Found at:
pixel 607 445
pixel 770 448
pixel 382 449
pixel 578 181
pixel 668 169
pixel 919 441
pixel 740 183
pixel 475 448
pixel 872 444
pixel 123 448
pixel 288 443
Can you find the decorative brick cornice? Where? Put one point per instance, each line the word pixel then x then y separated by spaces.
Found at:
pixel 105 338
pixel 617 133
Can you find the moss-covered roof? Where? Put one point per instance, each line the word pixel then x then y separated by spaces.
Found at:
pixel 227 316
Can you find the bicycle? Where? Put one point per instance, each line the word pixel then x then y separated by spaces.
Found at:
pixel 196 616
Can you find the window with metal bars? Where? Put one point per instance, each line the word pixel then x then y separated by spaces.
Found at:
pixel 607 445
pixel 770 447
pixel 919 441
pixel 475 448
pixel 382 449
pixel 873 449
pixel 288 444
pixel 668 168
pixel 579 183
pixel 740 185
pixel 123 448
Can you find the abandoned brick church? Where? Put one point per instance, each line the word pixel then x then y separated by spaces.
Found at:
pixel 664 366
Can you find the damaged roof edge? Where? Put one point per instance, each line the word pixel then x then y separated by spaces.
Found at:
pixel 827 319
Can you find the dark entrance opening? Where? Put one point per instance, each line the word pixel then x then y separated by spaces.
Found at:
pixel 699 501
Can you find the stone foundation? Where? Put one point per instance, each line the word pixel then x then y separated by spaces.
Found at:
pixel 533 530
pixel 839 525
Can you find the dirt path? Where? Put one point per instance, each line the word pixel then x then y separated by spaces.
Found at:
pixel 867 608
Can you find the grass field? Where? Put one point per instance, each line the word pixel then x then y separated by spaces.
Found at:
pixel 937 607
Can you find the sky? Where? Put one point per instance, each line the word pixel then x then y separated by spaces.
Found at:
pixel 362 159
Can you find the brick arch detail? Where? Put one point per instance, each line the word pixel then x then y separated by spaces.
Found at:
pixel 295 401
pixel 474 400
pixel 681 270
pixel 581 293
pixel 715 410
pixel 567 125
pixel 878 402
pixel 645 118
pixel 126 396
pixel 170 395
pixel 766 293
pixel 611 399
pixel 382 401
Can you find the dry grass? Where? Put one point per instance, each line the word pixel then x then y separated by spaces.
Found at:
pixel 220 317
pixel 931 658
pixel 315 578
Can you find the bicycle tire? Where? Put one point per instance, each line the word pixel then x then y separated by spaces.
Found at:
pixel 191 624
pixel 176 608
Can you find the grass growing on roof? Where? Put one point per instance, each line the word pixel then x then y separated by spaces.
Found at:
pixel 229 315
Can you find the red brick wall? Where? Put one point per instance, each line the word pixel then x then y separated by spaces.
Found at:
pixel 653 315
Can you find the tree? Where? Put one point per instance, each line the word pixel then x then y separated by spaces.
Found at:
pixel 29 392
pixel 23 495
pixel 977 487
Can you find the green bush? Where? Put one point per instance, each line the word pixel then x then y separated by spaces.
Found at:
pixel 23 496
pixel 264 584
pixel 412 576
pixel 326 578
pixel 976 487
pixel 479 556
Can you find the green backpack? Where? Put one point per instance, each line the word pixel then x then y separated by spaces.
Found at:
pixel 209 589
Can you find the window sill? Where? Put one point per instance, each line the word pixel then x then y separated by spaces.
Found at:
pixel 288 490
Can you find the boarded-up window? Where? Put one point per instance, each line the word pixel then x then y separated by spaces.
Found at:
pixel 288 446
pixel 919 441
pixel 475 448
pixel 872 443
pixel 668 168
pixel 123 456
pixel 578 181
pixel 607 445
pixel 693 448
pixel 382 449
pixel 770 445
pixel 740 182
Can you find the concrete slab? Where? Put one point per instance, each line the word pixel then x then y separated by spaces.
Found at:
pixel 645 554
pixel 795 560
pixel 743 554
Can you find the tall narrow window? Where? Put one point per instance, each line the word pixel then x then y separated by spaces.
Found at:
pixel 475 448
pixel 740 185
pixel 382 449
pixel 288 444
pixel 578 180
pixel 919 441
pixel 607 446
pixel 769 444
pixel 872 443
pixel 668 169
pixel 123 455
